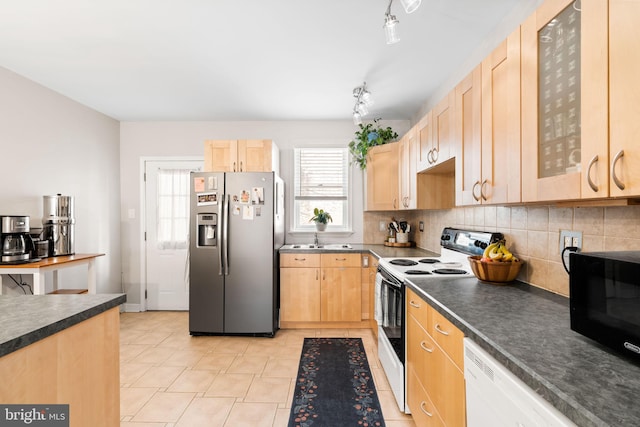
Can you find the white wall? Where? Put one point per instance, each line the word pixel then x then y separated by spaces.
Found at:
pixel 174 139
pixel 50 144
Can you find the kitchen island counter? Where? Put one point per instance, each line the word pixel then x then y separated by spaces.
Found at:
pixel 526 329
pixel 62 349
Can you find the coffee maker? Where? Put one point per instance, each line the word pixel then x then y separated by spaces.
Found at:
pixel 15 240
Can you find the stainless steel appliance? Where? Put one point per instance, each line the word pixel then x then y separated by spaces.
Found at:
pixel 456 246
pixel 17 244
pixel 236 229
pixel 604 289
pixel 58 224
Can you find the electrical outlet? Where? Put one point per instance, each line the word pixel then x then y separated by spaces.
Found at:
pixel 570 238
pixel 421 226
pixel 382 226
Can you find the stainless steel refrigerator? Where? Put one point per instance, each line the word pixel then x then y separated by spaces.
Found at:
pixel 236 228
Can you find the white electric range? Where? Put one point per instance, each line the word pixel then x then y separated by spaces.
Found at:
pixel 456 246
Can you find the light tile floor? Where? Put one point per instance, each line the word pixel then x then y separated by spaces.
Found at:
pixel 171 379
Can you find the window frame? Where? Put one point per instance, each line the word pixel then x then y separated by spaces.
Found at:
pixel 298 225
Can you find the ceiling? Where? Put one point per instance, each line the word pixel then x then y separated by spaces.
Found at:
pixel 139 60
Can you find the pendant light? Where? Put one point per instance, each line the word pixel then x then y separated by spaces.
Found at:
pixel 410 6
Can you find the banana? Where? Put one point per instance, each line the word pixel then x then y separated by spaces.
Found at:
pixel 488 250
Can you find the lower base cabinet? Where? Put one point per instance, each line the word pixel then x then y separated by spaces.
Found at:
pixel 435 381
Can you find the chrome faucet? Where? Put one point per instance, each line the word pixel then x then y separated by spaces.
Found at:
pixel 315 239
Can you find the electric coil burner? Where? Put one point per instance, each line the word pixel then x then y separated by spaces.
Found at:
pixel 456 245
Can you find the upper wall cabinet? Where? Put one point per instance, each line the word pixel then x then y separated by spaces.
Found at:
pixel 580 100
pixel 408 172
pixel 500 182
pixel 624 99
pixel 468 138
pixel 382 177
pixel 241 156
pixel 435 134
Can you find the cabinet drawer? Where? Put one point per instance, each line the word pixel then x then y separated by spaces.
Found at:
pixel 420 352
pixel 448 337
pixel 300 260
pixel 418 308
pixel 422 409
pixel 340 260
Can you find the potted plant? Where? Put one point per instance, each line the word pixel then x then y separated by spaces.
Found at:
pixel 320 217
pixel 368 136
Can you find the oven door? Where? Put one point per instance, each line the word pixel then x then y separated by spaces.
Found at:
pixel 389 313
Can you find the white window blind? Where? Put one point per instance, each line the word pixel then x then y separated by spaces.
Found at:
pixel 173 208
pixel 321 180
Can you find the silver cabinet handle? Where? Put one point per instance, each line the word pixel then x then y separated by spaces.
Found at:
pixel 434 156
pixel 473 191
pixel 425 348
pixel 619 183
pixel 430 156
pixel 316 274
pixel 440 330
pixel 340 259
pixel 413 304
pixel 482 195
pixel 300 259
pixel 394 202
pixel 422 405
pixel 240 166
pixel 593 186
pixel 234 166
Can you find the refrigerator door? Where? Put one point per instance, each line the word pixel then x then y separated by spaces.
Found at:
pixel 250 280
pixel 206 281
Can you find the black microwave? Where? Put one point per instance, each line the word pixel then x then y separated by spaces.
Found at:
pixel 605 298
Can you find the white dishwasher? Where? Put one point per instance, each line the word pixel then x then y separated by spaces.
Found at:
pixel 496 397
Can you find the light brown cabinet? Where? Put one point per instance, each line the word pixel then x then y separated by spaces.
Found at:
pixel 500 171
pixel 320 288
pixel 241 156
pixel 468 131
pixel 408 170
pixel 435 134
pixel 382 177
pixel 300 287
pixel 340 288
pixel 435 378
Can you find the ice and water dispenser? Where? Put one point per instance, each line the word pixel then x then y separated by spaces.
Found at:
pixel 207 229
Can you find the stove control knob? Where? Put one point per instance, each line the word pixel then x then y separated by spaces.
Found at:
pixel 480 244
pixel 445 237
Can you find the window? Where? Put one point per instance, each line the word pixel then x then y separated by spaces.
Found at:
pixel 173 208
pixel 321 181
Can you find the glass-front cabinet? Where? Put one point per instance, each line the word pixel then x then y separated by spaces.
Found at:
pixel 564 98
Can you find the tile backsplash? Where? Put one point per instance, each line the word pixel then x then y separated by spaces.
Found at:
pixel 531 232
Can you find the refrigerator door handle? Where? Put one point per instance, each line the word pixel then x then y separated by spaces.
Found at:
pixel 220 240
pixel 225 233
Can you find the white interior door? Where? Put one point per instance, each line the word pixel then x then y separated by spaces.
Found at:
pixel 167 233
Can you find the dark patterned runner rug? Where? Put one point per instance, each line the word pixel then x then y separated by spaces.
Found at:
pixel 334 387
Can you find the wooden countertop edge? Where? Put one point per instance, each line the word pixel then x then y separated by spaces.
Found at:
pixel 47 262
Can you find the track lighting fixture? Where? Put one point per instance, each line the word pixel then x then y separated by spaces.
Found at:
pixel 363 101
pixel 391 23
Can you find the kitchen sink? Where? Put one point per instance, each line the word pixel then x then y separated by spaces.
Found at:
pixel 344 246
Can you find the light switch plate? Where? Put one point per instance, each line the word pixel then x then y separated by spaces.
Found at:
pixel 421 226
pixel 382 226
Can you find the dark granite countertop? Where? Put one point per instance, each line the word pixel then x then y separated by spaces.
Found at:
pixel 527 330
pixel 26 319
pixel 381 251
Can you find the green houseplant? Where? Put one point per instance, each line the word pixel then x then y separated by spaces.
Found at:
pixel 368 136
pixel 321 218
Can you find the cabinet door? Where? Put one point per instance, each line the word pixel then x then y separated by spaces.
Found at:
pixel 448 393
pixel 408 170
pixel 382 177
pixel 624 69
pixel 220 156
pixel 501 123
pixel 564 103
pixel 443 130
pixel 468 138
pixel 340 294
pixel 300 294
pixel 254 156
pixel 425 146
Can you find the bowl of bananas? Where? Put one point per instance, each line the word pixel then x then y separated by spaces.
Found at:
pixel 496 265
